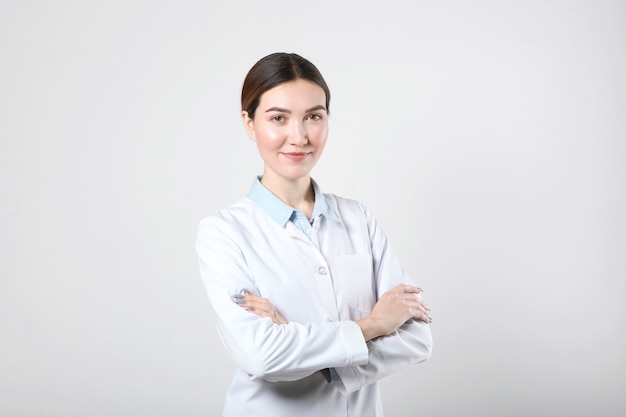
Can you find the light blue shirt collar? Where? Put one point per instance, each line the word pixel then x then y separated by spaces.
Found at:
pixel 281 212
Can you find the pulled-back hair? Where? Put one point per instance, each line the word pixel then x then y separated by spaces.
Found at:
pixel 275 69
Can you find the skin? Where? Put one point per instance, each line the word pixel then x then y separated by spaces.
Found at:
pixel 290 128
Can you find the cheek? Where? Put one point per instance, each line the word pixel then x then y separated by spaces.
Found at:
pixel 267 137
pixel 321 134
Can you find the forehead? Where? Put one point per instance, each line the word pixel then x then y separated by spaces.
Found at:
pixel 294 94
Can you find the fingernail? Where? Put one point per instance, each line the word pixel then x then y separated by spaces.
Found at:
pixel 238 299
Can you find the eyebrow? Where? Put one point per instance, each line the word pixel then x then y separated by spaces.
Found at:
pixel 280 109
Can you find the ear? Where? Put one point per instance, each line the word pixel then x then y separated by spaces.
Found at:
pixel 248 123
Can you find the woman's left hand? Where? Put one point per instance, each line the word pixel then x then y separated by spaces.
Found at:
pixel 259 306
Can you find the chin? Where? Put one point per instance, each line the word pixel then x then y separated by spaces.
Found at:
pixel 293 176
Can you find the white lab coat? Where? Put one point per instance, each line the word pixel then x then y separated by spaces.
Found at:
pixel 320 284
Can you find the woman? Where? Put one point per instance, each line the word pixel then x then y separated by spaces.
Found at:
pixel 311 302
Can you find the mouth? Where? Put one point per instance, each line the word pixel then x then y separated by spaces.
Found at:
pixel 296 156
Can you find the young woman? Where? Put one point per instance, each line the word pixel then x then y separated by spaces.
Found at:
pixel 311 302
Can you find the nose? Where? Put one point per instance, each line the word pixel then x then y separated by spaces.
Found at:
pixel 299 135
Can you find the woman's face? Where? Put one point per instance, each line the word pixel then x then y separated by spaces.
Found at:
pixel 290 128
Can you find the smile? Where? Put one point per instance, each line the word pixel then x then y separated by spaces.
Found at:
pixel 296 156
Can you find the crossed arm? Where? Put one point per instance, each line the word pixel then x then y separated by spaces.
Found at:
pixel 393 309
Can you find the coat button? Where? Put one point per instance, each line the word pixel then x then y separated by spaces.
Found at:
pixel 322 270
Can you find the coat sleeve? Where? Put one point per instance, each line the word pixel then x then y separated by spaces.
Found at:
pixel 410 344
pixel 260 347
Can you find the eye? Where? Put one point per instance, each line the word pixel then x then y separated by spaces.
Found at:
pixel 315 116
pixel 278 118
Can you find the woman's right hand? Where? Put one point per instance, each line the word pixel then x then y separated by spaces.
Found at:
pixel 392 310
pixel 259 306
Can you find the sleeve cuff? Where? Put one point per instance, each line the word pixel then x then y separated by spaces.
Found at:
pixel 354 343
pixel 346 379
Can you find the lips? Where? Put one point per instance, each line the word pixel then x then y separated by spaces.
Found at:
pixel 296 156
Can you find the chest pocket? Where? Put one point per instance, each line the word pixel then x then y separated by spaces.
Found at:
pixel 355 277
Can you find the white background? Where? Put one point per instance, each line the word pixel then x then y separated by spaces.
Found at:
pixel 488 138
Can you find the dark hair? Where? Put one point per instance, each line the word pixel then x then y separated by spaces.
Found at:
pixel 275 69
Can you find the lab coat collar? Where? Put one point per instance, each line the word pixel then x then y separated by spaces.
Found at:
pixel 280 212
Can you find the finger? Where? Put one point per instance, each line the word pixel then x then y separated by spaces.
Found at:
pixel 252 300
pixel 256 301
pixel 260 306
pixel 426 316
pixel 252 297
pixel 412 299
pixel 418 309
pixel 238 299
pixel 406 288
pixel 247 301
pixel 422 316
pixel 425 310
pixel 257 306
pixel 241 297
pixel 401 288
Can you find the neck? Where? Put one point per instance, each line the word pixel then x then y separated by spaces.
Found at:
pixel 296 193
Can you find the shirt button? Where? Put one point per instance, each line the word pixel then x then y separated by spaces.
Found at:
pixel 322 270
pixel 308 230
